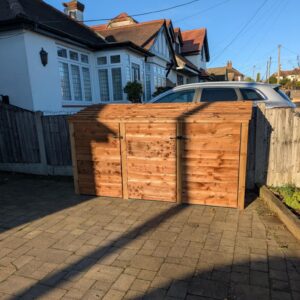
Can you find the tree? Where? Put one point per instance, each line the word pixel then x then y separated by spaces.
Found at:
pixel 249 79
pixel 160 90
pixel 258 77
pixel 284 81
pixel 272 80
pixel 134 91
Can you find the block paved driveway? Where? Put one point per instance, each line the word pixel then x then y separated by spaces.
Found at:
pixel 54 244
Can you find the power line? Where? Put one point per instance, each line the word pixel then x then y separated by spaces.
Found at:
pixel 202 11
pixel 242 29
pixel 137 15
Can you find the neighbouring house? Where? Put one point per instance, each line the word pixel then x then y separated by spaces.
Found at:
pixel 52 62
pixel 227 73
pixel 292 75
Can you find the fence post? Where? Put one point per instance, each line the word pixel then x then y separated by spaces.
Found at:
pixel 40 135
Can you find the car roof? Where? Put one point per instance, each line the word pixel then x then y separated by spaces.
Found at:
pixel 233 84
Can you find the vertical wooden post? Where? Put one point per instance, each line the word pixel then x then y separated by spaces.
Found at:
pixel 41 141
pixel 179 162
pixel 243 165
pixel 74 158
pixel 124 160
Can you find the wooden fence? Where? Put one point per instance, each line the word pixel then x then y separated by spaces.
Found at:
pixel 33 143
pixel 274 147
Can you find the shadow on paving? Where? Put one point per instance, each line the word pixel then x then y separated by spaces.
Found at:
pixel 213 276
pixel 86 262
pixel 26 198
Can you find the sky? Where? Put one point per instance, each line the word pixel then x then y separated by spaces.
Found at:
pixel 247 32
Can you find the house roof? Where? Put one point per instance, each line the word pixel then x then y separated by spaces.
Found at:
pixel 40 14
pixel 142 34
pixel 295 71
pixel 193 40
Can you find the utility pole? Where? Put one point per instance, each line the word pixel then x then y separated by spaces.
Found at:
pixel 298 61
pixel 279 66
pixel 267 72
pixel 269 69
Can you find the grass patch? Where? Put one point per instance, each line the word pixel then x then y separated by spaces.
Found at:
pixel 290 195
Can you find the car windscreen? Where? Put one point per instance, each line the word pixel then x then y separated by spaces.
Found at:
pixel 177 96
pixel 218 94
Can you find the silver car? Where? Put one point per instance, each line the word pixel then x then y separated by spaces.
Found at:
pixel 270 94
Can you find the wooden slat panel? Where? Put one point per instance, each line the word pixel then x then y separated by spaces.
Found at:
pixel 210 164
pixel 151 161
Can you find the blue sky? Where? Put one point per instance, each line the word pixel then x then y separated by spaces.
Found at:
pixel 275 23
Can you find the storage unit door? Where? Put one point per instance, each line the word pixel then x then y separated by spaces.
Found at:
pixel 210 163
pixel 98 159
pixel 151 161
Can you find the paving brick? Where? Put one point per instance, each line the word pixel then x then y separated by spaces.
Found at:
pixel 140 285
pixel 146 262
pixel 114 295
pixel 178 289
pixel 175 271
pixel 123 283
pixel 16 284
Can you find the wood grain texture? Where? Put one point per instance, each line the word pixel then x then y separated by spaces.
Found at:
pixel 171 152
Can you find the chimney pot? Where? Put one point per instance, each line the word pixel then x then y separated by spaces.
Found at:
pixel 74 9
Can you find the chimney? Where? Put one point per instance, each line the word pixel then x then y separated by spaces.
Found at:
pixel 229 64
pixel 74 9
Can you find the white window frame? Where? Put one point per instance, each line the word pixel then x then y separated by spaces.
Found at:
pixel 81 65
pixel 109 66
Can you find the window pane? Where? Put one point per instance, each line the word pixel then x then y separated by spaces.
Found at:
pixel 61 52
pixel 179 79
pixel 103 84
pixel 64 81
pixel 218 94
pixel 117 83
pixel 76 82
pixel 250 94
pixel 135 72
pixel 180 96
pixel 87 84
pixel 84 58
pixel 115 59
pixel 102 60
pixel 73 55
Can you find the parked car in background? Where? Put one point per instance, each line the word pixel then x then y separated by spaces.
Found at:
pixel 270 94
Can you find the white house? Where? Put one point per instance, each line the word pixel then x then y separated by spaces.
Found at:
pixel 51 62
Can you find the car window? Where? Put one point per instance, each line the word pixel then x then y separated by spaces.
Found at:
pixel 282 94
pixel 218 94
pixel 251 94
pixel 179 96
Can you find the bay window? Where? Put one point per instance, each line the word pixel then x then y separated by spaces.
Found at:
pixel 135 71
pixel 75 78
pixel 110 78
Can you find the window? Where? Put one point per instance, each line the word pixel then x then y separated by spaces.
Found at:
pixel 179 96
pixel 115 59
pixel 87 84
pixel 117 83
pixel 84 58
pixel 75 78
pixel 77 92
pixel 73 55
pixel 61 52
pixel 180 79
pixel 102 60
pixel 104 85
pixel 135 70
pixel 251 94
pixel 64 81
pixel 218 94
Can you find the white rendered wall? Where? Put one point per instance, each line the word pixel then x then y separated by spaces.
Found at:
pixel 14 74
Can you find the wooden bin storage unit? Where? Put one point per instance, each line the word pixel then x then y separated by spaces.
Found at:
pixel 183 152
